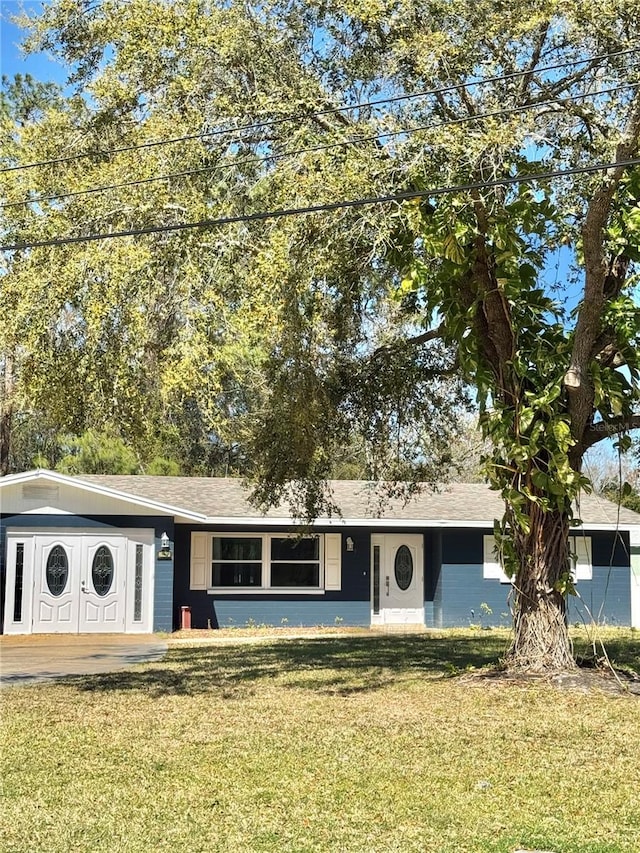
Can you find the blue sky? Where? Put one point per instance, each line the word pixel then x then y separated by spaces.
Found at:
pixel 12 61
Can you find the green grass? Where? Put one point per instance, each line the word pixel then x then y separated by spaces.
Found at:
pixel 322 744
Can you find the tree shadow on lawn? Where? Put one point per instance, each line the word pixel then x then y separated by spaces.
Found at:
pixel 341 666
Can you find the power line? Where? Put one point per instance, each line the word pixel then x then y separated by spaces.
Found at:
pixel 323 208
pixel 318 114
pixel 317 148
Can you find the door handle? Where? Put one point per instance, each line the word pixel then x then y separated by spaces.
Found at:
pixel 83 587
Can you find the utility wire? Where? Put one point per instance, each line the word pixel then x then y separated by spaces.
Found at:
pixel 359 140
pixel 318 114
pixel 322 208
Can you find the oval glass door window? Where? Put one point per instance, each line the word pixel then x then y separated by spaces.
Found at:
pixel 403 567
pixel 102 570
pixel 57 571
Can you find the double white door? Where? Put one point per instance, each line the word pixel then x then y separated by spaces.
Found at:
pixel 79 582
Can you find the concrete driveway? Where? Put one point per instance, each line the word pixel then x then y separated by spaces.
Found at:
pixel 44 657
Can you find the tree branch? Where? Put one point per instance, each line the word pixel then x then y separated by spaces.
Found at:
pixel 605 429
pixel 535 58
pixel 432 335
pixel 425 337
pixel 597 270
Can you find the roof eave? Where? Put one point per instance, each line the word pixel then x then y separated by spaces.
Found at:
pixel 179 513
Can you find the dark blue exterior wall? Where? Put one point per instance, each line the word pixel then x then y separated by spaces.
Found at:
pixel 462 596
pixel 605 599
pixel 163 587
pixel 347 606
pixel 455 592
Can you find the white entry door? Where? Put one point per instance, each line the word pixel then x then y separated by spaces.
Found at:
pixel 397 579
pixel 56 582
pixel 75 581
pixel 102 584
pixel 79 584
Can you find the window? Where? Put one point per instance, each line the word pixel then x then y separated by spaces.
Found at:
pixel 237 561
pixel 403 567
pixel 295 562
pixel 579 550
pixel 18 583
pixel 492 568
pixel 57 570
pixel 102 571
pixel 376 579
pixel 137 591
pixel 265 562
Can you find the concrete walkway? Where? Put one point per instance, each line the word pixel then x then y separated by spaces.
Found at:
pixel 44 657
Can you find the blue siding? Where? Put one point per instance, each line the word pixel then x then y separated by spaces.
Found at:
pixel 163 587
pixel 605 599
pixel 463 596
pixel 291 611
pixel 462 592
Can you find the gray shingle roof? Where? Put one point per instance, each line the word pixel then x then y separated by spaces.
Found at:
pixel 228 498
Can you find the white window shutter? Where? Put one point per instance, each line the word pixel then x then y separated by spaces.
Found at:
pixel 492 567
pixel 333 561
pixel 200 563
pixel 581 547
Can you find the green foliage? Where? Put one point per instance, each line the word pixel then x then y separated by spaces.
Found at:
pixel 96 453
pixel 623 494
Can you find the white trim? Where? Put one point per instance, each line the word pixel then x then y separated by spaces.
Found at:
pixel 580 545
pixel 200 560
pixel 399 523
pixel 265 590
pixel 105 491
pixel 333 561
pixel 491 564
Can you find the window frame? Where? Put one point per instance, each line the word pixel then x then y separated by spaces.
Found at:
pixel 581 568
pixel 265 562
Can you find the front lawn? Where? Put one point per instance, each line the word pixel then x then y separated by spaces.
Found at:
pixel 342 744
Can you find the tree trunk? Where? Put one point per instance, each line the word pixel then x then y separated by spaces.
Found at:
pixel 6 412
pixel 541 639
pixel 5 440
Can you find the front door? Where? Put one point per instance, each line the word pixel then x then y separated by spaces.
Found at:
pixel 86 581
pixel 56 581
pixel 102 584
pixel 79 584
pixel 397 579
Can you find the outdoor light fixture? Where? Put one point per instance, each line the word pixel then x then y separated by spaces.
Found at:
pixel 349 543
pixel 165 547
